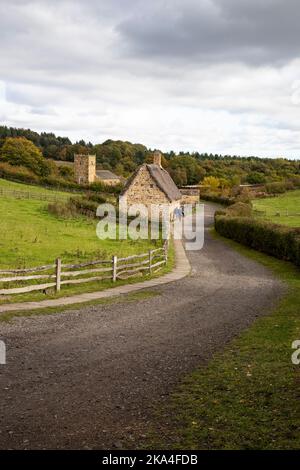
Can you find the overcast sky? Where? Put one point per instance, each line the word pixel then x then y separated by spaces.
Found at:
pixel 219 76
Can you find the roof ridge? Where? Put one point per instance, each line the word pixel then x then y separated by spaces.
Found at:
pixel 164 181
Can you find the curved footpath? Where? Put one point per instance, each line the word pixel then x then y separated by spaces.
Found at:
pixel 89 378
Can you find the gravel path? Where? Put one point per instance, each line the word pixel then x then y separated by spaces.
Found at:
pixel 89 378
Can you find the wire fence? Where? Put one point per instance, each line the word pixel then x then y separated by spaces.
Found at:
pixel 279 213
pixel 16 194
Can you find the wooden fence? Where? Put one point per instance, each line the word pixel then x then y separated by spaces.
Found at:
pixel 59 274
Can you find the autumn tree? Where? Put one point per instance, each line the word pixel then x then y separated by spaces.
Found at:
pixel 19 151
pixel 212 182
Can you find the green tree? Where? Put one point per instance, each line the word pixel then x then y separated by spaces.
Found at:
pixel 19 151
pixel 255 178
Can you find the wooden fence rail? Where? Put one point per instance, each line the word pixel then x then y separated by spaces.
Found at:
pixel 60 274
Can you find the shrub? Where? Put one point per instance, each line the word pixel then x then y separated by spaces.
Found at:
pixel 218 198
pixel 100 187
pixel 96 197
pixel 295 180
pixel 276 240
pixel 243 197
pixel 276 188
pixel 84 206
pixel 59 183
pixel 18 151
pixel 220 212
pixel 255 178
pixel 62 209
pixel 19 173
pixel 239 209
pixel 212 182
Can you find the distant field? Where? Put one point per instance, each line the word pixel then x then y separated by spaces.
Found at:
pixel 283 209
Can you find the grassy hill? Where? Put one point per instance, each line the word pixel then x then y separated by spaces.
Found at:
pixel 8 188
pixel 31 236
pixel 283 209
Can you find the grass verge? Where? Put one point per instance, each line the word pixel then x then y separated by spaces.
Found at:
pixel 247 397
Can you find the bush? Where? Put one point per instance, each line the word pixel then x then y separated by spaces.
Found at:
pixel 276 240
pixel 220 212
pixel 255 178
pixel 19 151
pixel 218 198
pixel 20 173
pixel 100 187
pixel 85 206
pixel 276 188
pixel 59 183
pixel 24 175
pixel 96 197
pixel 62 209
pixel 295 180
pixel 66 172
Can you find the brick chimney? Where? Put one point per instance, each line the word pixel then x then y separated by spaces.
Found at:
pixel 157 158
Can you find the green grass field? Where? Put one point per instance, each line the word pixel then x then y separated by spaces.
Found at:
pixel 287 205
pixel 247 397
pixel 32 189
pixel 31 236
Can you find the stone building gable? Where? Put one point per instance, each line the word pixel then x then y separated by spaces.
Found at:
pixel 144 190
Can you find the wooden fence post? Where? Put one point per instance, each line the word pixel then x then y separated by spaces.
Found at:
pixel 150 260
pixel 114 263
pixel 58 273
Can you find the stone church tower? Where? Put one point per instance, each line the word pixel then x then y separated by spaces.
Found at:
pixel 85 168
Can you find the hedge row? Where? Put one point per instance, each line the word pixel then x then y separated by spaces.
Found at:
pixel 22 174
pixel 219 199
pixel 276 240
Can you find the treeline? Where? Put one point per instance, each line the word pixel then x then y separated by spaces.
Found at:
pixel 186 168
pixel 56 148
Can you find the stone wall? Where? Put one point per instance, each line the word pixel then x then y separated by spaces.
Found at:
pixel 85 168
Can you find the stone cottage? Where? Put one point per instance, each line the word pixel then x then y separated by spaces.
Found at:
pixel 151 184
pixel 86 172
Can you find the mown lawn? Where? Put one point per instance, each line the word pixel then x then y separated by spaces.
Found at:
pixel 248 396
pixel 30 236
pixel 286 205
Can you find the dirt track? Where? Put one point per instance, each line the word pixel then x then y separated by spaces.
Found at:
pixel 88 378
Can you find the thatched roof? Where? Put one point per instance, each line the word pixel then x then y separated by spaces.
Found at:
pixel 163 180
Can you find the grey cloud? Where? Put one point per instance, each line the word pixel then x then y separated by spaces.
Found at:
pixel 249 31
pixel 161 72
